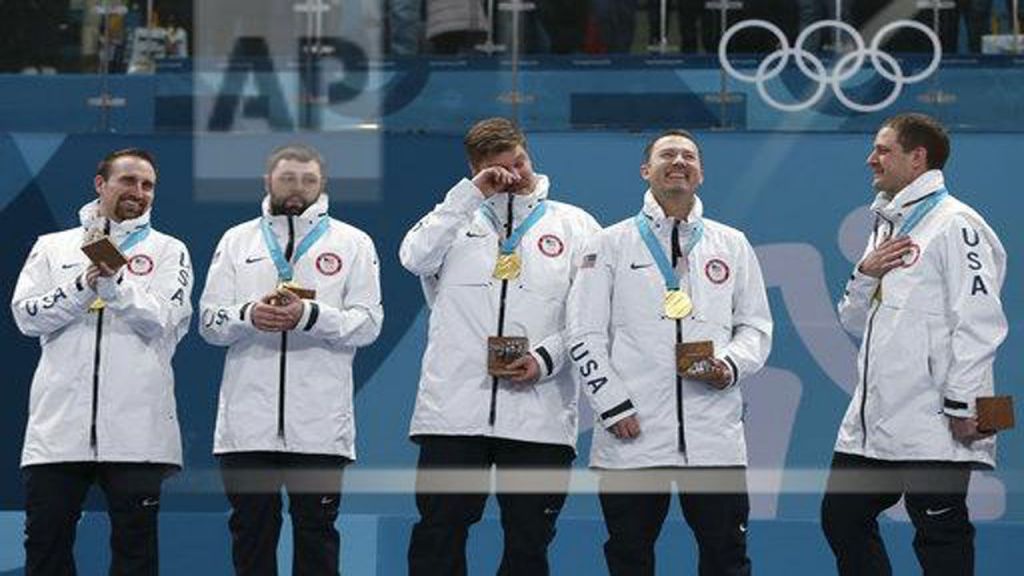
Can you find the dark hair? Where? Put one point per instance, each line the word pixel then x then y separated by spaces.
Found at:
pixel 298 152
pixel 920 130
pixel 492 136
pixel 103 168
pixel 671 132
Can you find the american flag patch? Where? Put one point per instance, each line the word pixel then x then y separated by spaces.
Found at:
pixel 589 260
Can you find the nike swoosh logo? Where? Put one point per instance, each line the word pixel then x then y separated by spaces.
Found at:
pixel 66 266
pixel 938 512
pixel 636 266
pixel 475 235
pixel 250 259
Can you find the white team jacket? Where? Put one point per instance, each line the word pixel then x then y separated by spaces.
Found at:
pixel 929 344
pixel 453 249
pixel 104 389
pixel 291 391
pixel 624 348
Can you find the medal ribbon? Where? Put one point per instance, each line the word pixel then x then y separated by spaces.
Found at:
pixel 920 211
pixel 508 245
pixel 134 238
pixel 664 265
pixel 285 271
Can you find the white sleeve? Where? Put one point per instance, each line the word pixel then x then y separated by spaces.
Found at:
pixel 751 340
pixel 224 320
pixel 39 305
pixel 424 247
pixel 551 353
pixel 357 319
pixel 855 304
pixel 588 316
pixel 162 307
pixel 975 267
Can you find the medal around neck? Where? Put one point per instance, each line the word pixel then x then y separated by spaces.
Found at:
pixel 677 304
pixel 508 266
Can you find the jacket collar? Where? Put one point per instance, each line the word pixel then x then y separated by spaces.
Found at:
pixel 904 201
pixel 663 223
pixel 522 205
pixel 91 219
pixel 302 223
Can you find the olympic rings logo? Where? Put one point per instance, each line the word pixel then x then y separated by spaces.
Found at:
pixel 845 68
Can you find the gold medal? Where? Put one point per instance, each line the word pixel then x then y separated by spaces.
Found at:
pixel 97 305
pixel 677 304
pixel 507 266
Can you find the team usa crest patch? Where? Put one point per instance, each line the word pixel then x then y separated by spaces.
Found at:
pixel 140 264
pixel 328 263
pixel 551 245
pixel 911 256
pixel 717 271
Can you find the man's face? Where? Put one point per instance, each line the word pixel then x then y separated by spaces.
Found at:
pixel 674 166
pixel 516 161
pixel 893 167
pixel 293 186
pixel 127 191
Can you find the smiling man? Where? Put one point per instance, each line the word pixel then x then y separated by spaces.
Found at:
pixel 925 298
pixel 666 317
pixel 292 295
pixel 102 408
pixel 496 258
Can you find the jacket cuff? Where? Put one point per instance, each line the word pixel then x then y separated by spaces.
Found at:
pixel 620 412
pixel 860 283
pixel 734 371
pixel 310 316
pixel 957 408
pixel 464 197
pixel 543 358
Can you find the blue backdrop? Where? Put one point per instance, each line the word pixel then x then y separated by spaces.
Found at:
pixel 800 198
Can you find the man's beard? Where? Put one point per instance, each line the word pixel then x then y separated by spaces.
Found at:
pixel 287 207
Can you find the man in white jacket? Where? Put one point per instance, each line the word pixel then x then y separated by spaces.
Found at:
pixel 496 258
pixel 667 315
pixel 292 295
pixel 925 298
pixel 102 407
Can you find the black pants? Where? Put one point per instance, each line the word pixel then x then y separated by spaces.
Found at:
pixel 935 494
pixel 53 505
pixel 253 482
pixel 438 543
pixel 635 503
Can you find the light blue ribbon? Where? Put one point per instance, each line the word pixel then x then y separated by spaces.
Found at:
pixel 508 245
pixel 664 265
pixel 920 211
pixel 134 238
pixel 285 271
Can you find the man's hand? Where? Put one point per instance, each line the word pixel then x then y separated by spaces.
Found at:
pixel 94 271
pixel 885 257
pixel 965 430
pixel 527 368
pixel 712 371
pixel 627 428
pixel 277 312
pixel 494 180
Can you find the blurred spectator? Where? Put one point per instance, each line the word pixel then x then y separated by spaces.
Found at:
pixel 977 16
pixel 698 26
pixel 404 23
pixel 455 26
pixel 616 20
pixel 31 35
pixel 812 11
pixel 565 22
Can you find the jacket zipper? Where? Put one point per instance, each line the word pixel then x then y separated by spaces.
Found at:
pixel 867 356
pixel 96 381
pixel 492 417
pixel 284 341
pixel 676 254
